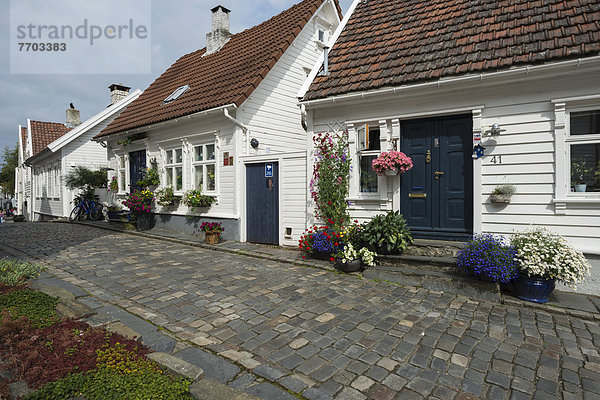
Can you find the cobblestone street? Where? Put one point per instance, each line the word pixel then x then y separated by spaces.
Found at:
pixel 321 334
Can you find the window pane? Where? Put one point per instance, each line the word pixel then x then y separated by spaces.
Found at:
pixel 374 139
pixel 122 182
pixel 585 167
pixel 169 159
pixel 368 178
pixel 179 178
pixel 178 156
pixel 585 123
pixel 210 177
pixel 121 162
pixel 169 176
pixel 199 153
pixel 210 151
pixel 198 177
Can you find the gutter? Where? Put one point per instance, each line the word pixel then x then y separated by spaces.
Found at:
pixel 164 123
pixel 515 72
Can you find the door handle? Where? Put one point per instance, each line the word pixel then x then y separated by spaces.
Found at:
pixel 270 184
pixel 437 174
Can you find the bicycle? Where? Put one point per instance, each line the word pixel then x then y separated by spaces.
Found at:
pixel 86 209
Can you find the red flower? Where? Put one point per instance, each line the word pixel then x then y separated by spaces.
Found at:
pixel 331 259
pixel 304 257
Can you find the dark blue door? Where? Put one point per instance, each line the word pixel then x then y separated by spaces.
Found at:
pixel 137 168
pixel 437 193
pixel 262 203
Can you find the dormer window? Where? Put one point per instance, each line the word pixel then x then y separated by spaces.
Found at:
pixel 177 93
pixel 321 35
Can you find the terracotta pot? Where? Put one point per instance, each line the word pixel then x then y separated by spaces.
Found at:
pixel 212 237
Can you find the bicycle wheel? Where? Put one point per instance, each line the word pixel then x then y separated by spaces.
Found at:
pixel 96 212
pixel 75 213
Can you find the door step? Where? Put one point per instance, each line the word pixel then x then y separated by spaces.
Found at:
pixel 438 273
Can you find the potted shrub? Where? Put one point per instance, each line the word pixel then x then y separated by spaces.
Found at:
pixel 113 211
pixel 212 232
pixel 544 257
pixel 386 234
pixel 165 197
pixel 140 206
pixel 320 242
pixel 580 174
pixel 487 257
pixel 502 194
pixel 391 163
pixel 195 199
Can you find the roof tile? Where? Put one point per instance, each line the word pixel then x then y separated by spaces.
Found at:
pixel 406 41
pixel 44 133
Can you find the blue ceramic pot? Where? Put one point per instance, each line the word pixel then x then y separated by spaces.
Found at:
pixel 534 289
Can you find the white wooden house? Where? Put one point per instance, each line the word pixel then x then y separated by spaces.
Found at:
pixel 224 120
pixel 51 149
pixel 524 79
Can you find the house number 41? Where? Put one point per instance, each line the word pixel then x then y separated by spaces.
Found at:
pixel 496 159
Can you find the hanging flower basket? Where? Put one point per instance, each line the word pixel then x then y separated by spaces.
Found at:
pixel 391 163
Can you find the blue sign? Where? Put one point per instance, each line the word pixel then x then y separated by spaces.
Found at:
pixel 268 170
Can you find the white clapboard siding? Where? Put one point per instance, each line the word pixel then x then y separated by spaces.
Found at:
pixel 293 187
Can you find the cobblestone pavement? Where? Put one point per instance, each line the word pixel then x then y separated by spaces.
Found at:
pixel 320 334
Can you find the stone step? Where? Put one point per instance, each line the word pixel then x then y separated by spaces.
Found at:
pixel 434 248
pixel 433 273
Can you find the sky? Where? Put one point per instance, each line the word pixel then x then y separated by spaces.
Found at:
pixel 177 28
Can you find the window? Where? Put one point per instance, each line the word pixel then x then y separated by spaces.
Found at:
pixel 204 167
pixel 57 187
pixel 177 93
pixel 368 150
pixel 52 183
pixel 121 179
pixel 583 147
pixel 174 169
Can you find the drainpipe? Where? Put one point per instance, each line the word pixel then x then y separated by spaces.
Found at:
pixel 238 123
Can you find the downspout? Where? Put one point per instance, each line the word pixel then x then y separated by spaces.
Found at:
pixel 239 124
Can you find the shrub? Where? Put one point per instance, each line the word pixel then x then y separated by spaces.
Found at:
pixel 165 196
pixel 488 258
pixel 330 183
pixel 82 177
pixel 195 199
pixel 386 234
pixel 13 272
pixel 151 176
pixel 542 253
pixel 139 201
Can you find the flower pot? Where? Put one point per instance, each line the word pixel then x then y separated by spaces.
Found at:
pixel 321 255
pixel 500 198
pixel 533 288
pixel 391 172
pixel 580 188
pixel 144 221
pixel 212 237
pixel 113 214
pixel 350 266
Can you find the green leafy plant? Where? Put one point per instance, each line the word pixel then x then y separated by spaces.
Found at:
pixel 545 254
pixel 113 186
pixel 82 178
pixel 151 176
pixel 386 234
pixel 329 185
pixel 195 199
pixel 580 173
pixel 165 196
pixel 504 190
pixel 14 272
pixel 38 307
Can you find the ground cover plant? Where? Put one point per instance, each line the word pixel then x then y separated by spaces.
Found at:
pixel 14 272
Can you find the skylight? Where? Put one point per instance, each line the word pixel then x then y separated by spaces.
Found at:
pixel 178 92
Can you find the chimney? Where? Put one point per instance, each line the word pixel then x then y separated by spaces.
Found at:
pixel 73 118
pixel 220 30
pixel 118 92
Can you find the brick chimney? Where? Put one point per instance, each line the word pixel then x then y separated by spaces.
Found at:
pixel 73 117
pixel 118 92
pixel 220 30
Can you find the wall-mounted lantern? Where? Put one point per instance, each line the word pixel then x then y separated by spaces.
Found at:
pixel 494 130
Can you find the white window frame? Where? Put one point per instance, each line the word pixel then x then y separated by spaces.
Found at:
pixel 121 173
pixel 563 141
pixel 360 151
pixel 204 163
pixel 172 168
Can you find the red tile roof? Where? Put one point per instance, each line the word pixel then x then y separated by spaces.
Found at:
pixel 389 43
pixel 24 138
pixel 44 133
pixel 224 77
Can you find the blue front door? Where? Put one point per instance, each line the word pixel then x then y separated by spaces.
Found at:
pixel 437 193
pixel 137 168
pixel 262 203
